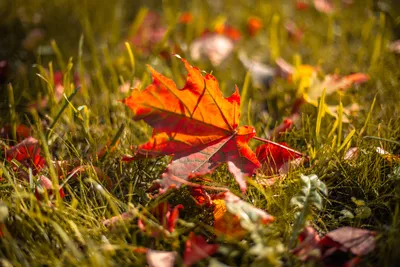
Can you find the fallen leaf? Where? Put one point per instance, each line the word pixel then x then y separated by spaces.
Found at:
pixel 197 125
pixel 235 218
pixel 359 241
pixel 149 33
pixel 387 155
pixel 216 47
pixel 302 5
pixel 166 217
pixel 295 33
pixel 196 249
pixel 352 154
pixel 282 128
pixel 21 130
pixel 335 247
pixel 226 223
pixel 46 185
pixel 311 85
pixel 254 25
pixel 186 18
pixel 27 153
pixel 262 75
pixel 333 83
pixel 156 258
pixel 274 156
pixel 394 47
pixel 308 247
pixel 123 217
pixel 201 196
pixel 228 31
pixel 284 69
pixel 324 6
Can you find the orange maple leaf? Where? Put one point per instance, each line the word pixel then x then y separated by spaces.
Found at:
pixel 195 124
pixel 235 217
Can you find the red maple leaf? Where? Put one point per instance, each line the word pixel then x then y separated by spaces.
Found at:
pixel 165 215
pixel 275 155
pixel 195 124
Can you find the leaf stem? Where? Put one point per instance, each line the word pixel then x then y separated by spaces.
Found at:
pixel 183 181
pixel 216 151
pixel 281 146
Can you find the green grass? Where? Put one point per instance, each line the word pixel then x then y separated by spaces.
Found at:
pixel 88 38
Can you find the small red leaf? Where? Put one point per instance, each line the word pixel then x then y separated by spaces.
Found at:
pixel 302 5
pixel 196 249
pixel 309 240
pixel 201 196
pixel 275 156
pixel 254 25
pixel 27 153
pixel 165 215
pixel 46 184
pixel 186 18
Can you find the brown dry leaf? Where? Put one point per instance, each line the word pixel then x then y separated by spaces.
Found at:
pixel 387 155
pixel 352 153
pixel 324 6
pixel 394 47
pixel 333 249
pixel 216 47
pixel 359 241
pixel 123 217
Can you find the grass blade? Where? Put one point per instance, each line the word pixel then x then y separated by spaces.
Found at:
pixel 57 118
